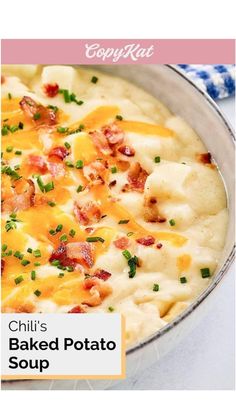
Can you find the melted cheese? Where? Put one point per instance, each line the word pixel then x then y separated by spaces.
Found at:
pixel 191 194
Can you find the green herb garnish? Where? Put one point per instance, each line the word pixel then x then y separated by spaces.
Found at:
pixel 95 239
pixel 19 279
pixel 205 272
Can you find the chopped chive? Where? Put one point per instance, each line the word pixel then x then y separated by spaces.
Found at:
pixel 183 280
pixel 37 253
pixel 79 102
pixel 79 189
pixel 9 149
pixel 13 215
pixel 157 159
pixel 132 262
pixel 111 309
pixel 94 79
pixel 18 152
pixel 119 117
pixel 37 264
pixel 52 232
pixel 51 203
pixel 95 239
pixel 4 247
pixel 4 130
pixel 29 250
pixel 54 108
pixel 130 233
pixel 72 233
pixel 55 262
pixel 69 268
pixel 62 130
pixel 49 187
pixel 37 116
pixel 67 145
pixel 37 293
pixel 40 183
pixel 114 169
pixel 9 253
pixel 126 254
pixel 69 163
pixel 66 95
pixel 18 255
pixel 33 275
pixel 172 222
pixel 14 128
pixel 59 227
pixel 205 272
pixel 61 274
pixel 9 96
pixel 10 225
pixel 123 222
pixel 156 287
pixel 25 262
pixel 79 164
pixel 63 238
pixel 81 127
pixel 17 167
pixel 19 279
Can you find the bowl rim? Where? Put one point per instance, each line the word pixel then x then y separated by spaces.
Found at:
pixel 219 276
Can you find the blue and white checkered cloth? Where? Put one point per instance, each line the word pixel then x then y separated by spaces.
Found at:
pixel 217 80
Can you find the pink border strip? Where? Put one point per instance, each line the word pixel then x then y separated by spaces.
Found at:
pixel 154 51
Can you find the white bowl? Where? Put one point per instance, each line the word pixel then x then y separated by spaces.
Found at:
pixel 183 98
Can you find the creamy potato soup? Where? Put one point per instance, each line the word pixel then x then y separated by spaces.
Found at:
pixel 110 203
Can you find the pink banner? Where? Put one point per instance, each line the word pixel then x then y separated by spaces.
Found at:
pixel 118 51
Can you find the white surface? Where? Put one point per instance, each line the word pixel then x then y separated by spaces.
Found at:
pixel 205 359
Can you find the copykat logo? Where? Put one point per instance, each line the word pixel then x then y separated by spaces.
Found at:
pixel 133 51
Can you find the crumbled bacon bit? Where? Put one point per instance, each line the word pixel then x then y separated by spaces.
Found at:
pixel 204 158
pixel 38 162
pixel 22 197
pixel 151 213
pixel 102 274
pixel 51 90
pixel 61 254
pixel 113 133
pixel 98 290
pixel 45 116
pixel 101 142
pixel 88 213
pixel 95 172
pixel 113 183
pixel 122 243
pixel 2 265
pixel 106 139
pixel 3 79
pixel 77 309
pixel 89 230
pixel 126 150
pixel 60 152
pixel 137 177
pixel 159 245
pixel 82 252
pixel 146 241
pixel 56 169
